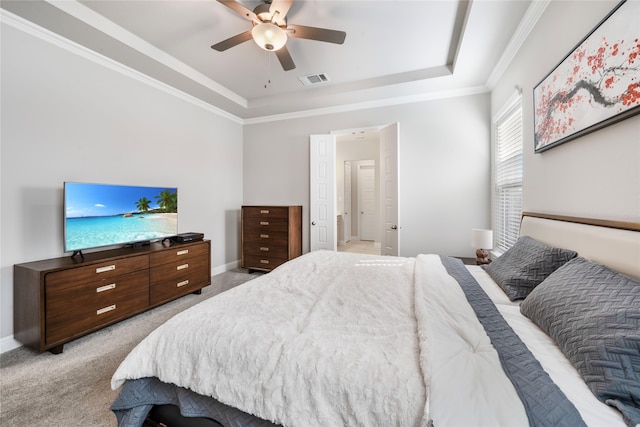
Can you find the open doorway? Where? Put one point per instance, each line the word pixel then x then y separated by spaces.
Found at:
pixel 358 192
pixel 324 210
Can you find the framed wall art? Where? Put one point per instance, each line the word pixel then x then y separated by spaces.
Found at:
pixel 595 85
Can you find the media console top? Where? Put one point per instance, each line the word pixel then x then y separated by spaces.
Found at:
pixel 101 256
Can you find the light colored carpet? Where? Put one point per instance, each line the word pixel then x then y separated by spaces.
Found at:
pixel 73 388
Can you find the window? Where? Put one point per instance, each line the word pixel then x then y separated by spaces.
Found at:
pixel 507 175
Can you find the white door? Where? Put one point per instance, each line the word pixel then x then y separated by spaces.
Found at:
pixel 389 194
pixel 367 207
pixel 346 214
pixel 322 203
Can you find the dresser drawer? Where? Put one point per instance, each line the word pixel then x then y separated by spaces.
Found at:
pixel 171 281
pixel 72 310
pixel 178 253
pixel 265 212
pixel 256 262
pixel 95 272
pixel 178 269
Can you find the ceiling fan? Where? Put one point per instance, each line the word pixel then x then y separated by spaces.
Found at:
pixel 271 31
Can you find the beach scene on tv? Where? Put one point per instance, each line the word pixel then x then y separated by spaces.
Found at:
pixel 103 215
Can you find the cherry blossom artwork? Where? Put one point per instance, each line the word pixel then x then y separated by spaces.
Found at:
pixel 596 85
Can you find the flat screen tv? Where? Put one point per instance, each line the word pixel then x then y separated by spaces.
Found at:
pixel 98 215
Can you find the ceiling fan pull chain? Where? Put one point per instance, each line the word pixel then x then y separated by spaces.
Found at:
pixel 268 73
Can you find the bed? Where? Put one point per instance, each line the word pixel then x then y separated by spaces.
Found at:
pixel 548 334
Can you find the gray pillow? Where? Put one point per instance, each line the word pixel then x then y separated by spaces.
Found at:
pixel 525 265
pixel 593 314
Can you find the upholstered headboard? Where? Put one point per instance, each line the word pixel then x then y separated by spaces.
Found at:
pixel 612 243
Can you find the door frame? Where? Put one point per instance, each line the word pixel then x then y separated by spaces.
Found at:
pixel 347 212
pixel 332 182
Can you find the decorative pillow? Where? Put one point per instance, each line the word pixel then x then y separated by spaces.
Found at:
pixel 525 265
pixel 593 314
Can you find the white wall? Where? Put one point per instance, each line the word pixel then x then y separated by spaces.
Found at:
pixel 444 167
pixel 67 118
pixel 597 175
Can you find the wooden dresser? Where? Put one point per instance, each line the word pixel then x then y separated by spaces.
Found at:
pixel 271 235
pixel 60 299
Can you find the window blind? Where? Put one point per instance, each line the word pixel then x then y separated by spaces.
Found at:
pixel 507 197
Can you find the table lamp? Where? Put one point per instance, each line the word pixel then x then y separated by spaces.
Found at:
pixel 482 240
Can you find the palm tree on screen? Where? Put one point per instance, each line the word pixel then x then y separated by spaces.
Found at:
pixel 143 204
pixel 168 201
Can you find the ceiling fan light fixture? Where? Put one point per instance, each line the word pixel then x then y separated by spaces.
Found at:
pixel 269 36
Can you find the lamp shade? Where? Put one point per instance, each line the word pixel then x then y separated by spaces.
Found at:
pixel 269 36
pixel 482 239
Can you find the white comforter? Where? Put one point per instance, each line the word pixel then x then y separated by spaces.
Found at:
pixel 370 341
pixel 300 349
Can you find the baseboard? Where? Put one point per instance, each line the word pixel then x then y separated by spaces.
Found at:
pixel 225 267
pixel 8 344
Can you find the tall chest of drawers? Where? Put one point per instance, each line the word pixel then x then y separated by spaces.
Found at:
pixel 271 235
pixel 60 299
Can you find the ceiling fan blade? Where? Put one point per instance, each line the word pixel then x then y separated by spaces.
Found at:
pixel 285 58
pixel 279 10
pixel 320 34
pixel 240 10
pixel 232 41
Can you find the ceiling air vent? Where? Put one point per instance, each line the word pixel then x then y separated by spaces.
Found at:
pixel 313 79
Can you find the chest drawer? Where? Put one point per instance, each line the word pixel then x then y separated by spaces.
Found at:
pixel 265 212
pixel 259 262
pixel 178 254
pixel 257 225
pixel 101 271
pixel 269 246
pixel 73 310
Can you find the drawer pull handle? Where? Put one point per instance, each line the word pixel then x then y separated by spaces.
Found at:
pixel 263 249
pixel 182 267
pixel 183 252
pixel 264 261
pixel 264 236
pixel 264 211
pixel 184 282
pixel 105 288
pixel 106 309
pixel 105 269
pixel 264 222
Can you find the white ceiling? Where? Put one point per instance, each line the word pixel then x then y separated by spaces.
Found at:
pixel 394 50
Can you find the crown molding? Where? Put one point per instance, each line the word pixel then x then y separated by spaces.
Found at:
pixel 529 21
pixel 370 104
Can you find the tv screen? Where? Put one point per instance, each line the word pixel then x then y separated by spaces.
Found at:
pixel 97 215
